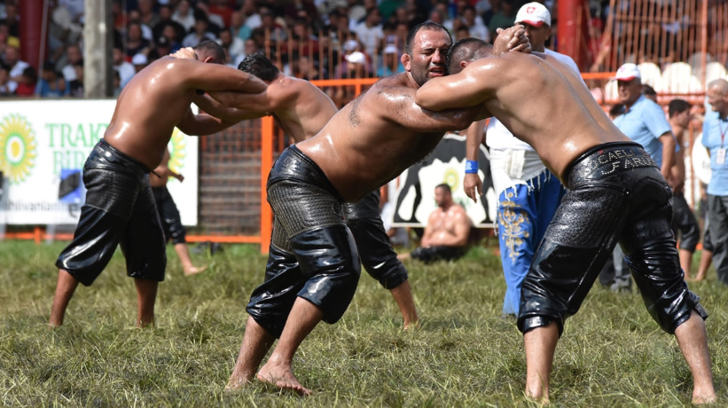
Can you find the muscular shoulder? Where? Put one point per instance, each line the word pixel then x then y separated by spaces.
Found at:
pixel 458 213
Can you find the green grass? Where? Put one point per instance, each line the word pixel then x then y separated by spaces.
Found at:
pixel 465 354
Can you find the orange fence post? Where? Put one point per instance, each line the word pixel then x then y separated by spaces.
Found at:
pixel 266 162
pixel 37 235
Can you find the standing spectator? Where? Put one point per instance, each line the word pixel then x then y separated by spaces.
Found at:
pixel 183 15
pixel 73 55
pixel 370 31
pixel 135 43
pixel 50 84
pixel 238 27
pixel 644 122
pixel 200 33
pixel 12 59
pixel 528 193
pixel 147 16
pixel 76 86
pixel 715 128
pixel 126 70
pixel 684 224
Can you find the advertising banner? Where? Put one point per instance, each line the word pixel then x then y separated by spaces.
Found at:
pixel 43 147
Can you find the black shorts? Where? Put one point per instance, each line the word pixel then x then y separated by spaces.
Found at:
pixel 616 194
pixel 119 209
pixel 438 253
pixel 372 242
pixel 312 254
pixel 169 215
pixel 684 223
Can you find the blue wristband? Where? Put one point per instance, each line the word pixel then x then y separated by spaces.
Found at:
pixel 471 167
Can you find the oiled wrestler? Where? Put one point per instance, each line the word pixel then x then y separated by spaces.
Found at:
pixel 366 144
pixel 616 195
pixel 119 207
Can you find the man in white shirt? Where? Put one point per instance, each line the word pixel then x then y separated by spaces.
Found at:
pixel 125 69
pixel 528 194
pixel 370 31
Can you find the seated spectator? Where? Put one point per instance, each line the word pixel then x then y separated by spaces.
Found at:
pixel 160 49
pixel 447 231
pixel 76 86
pixel 250 12
pixel 200 32
pixel 12 59
pixel 233 45
pixel 4 79
pixel 649 93
pixel 135 43
pixel 504 18
pixel 117 84
pixel 238 26
pixel 26 82
pixel 370 31
pixel 222 9
pixel 462 33
pixel 184 15
pixel 475 24
pixel 170 33
pixel 269 24
pixel 165 19
pixel 51 84
pixel 147 16
pixel 126 70
pixel 140 62
pixel 390 62
pixel 73 55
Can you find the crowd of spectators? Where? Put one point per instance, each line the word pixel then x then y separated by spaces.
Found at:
pixel 313 39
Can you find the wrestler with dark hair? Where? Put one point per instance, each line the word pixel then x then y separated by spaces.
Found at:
pixel 120 206
pixel 616 194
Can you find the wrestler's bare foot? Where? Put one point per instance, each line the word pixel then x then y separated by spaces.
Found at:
pixel 413 325
pixel 539 398
pixel 699 277
pixel 191 270
pixel 237 382
pixel 281 376
pixel 704 396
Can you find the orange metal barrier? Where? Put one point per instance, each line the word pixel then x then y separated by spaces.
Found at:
pixel 250 144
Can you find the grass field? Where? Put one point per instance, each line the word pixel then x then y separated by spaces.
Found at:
pixel 465 354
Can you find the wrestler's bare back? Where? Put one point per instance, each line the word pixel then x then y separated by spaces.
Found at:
pixel 362 147
pixel 303 117
pixel 542 102
pixel 147 110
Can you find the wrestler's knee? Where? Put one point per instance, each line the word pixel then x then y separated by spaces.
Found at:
pixel 528 323
pixel 329 258
pixel 177 233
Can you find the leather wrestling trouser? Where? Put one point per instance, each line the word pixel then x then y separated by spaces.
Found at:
pixel 313 254
pixel 617 194
pixel 372 241
pixel 169 215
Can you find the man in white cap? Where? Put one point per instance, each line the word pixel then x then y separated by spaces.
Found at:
pixel 527 192
pixel 139 61
pixel 644 122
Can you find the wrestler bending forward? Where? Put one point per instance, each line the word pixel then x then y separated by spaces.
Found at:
pixel 616 194
pixel 119 207
pixel 302 109
pixel 366 144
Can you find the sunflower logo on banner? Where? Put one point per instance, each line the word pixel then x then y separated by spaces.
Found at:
pixel 17 148
pixel 177 151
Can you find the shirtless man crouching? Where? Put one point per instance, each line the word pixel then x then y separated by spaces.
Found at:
pixel 119 206
pixel 366 144
pixel 616 194
pixel 446 233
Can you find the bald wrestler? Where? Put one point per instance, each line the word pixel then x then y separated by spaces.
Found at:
pixel 119 206
pixel 616 194
pixel 366 144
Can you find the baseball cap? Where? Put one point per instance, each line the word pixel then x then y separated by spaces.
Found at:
pixel 627 72
pixel 139 59
pixel 391 49
pixel 534 14
pixel 350 45
pixel 356 57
